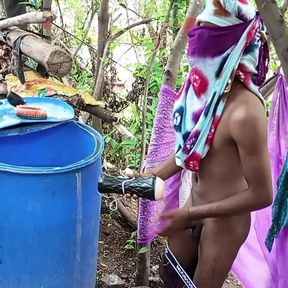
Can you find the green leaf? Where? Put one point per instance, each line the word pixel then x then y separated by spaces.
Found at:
pixel 133 235
pixel 129 247
pixel 143 250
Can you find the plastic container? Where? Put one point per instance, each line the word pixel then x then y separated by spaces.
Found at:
pixel 50 207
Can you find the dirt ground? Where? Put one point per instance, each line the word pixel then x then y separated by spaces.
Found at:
pixel 115 259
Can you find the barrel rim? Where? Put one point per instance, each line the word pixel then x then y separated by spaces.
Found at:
pixel 98 149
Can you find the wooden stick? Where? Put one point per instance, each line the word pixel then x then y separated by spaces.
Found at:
pixel 28 18
pixel 53 58
pixel 268 87
pixel 102 113
pixel 126 134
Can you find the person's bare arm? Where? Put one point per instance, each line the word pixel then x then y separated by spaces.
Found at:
pixel 167 168
pixel 249 132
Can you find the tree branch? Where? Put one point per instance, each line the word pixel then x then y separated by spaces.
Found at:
pixel 60 13
pixel 268 87
pixel 179 44
pixel 129 9
pixel 102 113
pixel 93 12
pixel 103 27
pixel 129 27
pixel 99 81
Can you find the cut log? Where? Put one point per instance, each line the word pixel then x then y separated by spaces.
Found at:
pixel 27 18
pixel 53 58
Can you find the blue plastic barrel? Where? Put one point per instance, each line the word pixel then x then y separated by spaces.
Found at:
pixel 50 207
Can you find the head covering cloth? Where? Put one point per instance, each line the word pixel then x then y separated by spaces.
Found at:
pixel 234 47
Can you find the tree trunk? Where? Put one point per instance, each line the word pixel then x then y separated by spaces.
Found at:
pixel 175 17
pixel 53 58
pixel 93 12
pixel 178 47
pixel 103 33
pixel 277 29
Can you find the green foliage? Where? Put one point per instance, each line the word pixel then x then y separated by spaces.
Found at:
pixel 83 79
pixel 128 150
pixel 143 250
pixel 34 4
pixel 131 242
pixel 268 105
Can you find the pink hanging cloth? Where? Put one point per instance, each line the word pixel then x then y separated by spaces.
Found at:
pixel 255 266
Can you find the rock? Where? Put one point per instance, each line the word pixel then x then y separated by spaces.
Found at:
pixel 155 268
pixel 155 280
pixel 112 281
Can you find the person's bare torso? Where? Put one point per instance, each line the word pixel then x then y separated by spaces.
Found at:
pixel 221 173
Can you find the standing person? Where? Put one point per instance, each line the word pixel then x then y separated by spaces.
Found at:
pixel 220 124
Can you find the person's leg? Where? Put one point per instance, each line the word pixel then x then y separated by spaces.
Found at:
pixel 220 242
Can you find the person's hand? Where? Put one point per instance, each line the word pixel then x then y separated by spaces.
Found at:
pixel 174 221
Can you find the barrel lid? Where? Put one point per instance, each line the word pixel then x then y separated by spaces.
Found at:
pixel 57 112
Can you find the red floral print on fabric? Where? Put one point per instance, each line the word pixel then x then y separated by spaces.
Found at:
pixel 211 134
pixel 245 2
pixel 199 81
pixel 193 162
pixel 251 35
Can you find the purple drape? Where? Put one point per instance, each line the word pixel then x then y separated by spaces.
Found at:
pixel 161 146
pixel 255 266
